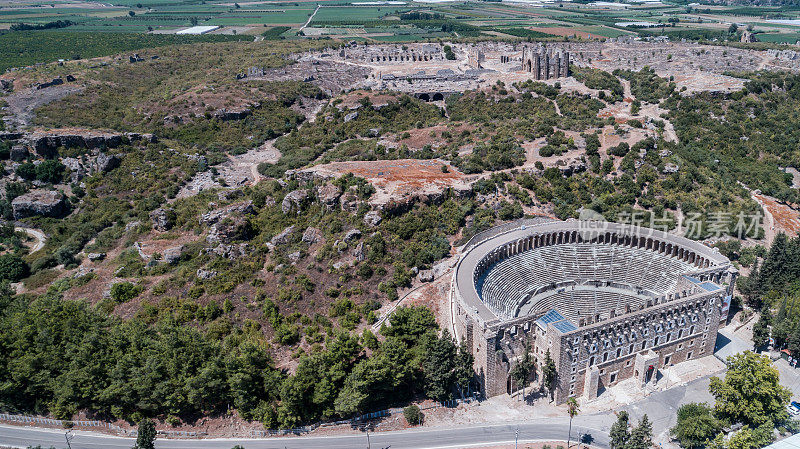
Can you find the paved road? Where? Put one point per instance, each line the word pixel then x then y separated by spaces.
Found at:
pixel 547 429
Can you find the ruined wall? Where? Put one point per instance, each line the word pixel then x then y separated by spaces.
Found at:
pixel 688 330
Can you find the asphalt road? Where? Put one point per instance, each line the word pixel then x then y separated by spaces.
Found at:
pixel 547 429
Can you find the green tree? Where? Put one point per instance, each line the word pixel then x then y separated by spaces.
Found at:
pixel 122 292
pixel 146 437
pixel 641 436
pixel 13 268
pixel 522 370
pixel 572 411
pixel 696 424
pixel 761 329
pixel 464 371
pixel 619 433
pixel 413 414
pixel 410 323
pixel 549 373
pixel 50 171
pixel 750 393
pixel 438 364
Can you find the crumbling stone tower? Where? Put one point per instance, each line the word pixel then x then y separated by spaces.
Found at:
pixel 545 64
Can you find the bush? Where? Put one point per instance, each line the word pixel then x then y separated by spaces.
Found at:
pixel 124 291
pixel 50 171
pixel 13 268
pixel 413 415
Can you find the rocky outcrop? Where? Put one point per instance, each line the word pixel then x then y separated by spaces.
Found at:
pixel 283 237
pixel 77 171
pixel 104 163
pixel 426 276
pixel 47 143
pixel 353 234
pixel 47 203
pixel 230 228
pixel 573 167
pixel 6 85
pixel 243 208
pixel 95 257
pixel 163 219
pixel 174 254
pixel 87 166
pixel 234 114
pixel 350 202
pixel 294 201
pixel 312 236
pixel 51 83
pixel 206 274
pixel 230 252
pixel 372 218
pixel 359 252
pixel 228 223
pixel 328 195
pixel 295 257
pixel 19 153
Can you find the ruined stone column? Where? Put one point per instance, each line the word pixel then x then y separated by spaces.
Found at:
pixel 557 65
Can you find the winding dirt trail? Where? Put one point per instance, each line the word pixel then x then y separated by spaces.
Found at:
pixel 36 234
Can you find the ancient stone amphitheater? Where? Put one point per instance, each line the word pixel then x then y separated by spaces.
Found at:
pixel 608 301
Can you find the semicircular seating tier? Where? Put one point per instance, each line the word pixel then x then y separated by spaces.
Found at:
pixel 579 279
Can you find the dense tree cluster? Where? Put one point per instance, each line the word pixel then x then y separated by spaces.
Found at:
pixel 63 356
pixel 749 395
pixel 773 288
pixel 625 436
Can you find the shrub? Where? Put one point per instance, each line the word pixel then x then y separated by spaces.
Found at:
pixel 124 291
pixel 13 268
pixel 413 414
pixel 50 171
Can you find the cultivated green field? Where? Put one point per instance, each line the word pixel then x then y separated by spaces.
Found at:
pixel 133 19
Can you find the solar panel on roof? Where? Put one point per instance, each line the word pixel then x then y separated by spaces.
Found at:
pixel 710 286
pixel 564 326
pixel 551 316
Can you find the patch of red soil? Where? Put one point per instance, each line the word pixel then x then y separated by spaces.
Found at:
pixel 786 218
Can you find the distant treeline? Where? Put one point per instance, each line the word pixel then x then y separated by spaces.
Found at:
pixel 41 26
pixel 446 26
pixel 275 32
pixel 526 33
pixel 416 15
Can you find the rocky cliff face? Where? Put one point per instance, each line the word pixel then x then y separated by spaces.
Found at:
pixel 47 203
pixel 46 144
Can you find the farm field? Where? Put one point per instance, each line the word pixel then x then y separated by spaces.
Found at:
pixel 407 21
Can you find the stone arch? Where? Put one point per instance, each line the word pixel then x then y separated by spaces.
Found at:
pixel 438 96
pixel 424 97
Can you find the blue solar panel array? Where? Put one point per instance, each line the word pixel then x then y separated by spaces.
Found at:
pixel 564 326
pixel 559 322
pixel 710 286
pixel 707 286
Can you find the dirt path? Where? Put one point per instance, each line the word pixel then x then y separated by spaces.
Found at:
pixel 310 18
pixel 36 234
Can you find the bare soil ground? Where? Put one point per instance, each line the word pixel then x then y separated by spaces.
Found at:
pixel 397 179
pixel 21 104
pixel 786 219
